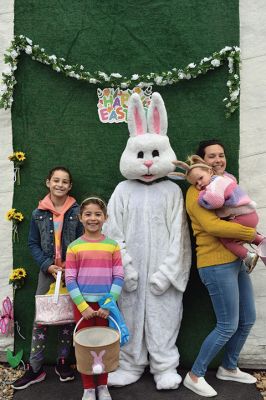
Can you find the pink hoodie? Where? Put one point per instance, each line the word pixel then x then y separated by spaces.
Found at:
pixel 58 219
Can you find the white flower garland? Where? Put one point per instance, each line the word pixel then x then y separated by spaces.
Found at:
pixel 192 70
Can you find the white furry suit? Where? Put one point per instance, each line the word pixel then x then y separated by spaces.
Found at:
pixel 148 219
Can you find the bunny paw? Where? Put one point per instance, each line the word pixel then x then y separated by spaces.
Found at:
pixel 167 380
pixel 122 377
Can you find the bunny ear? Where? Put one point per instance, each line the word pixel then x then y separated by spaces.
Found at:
pixel 181 164
pixel 195 159
pixel 177 176
pixel 136 118
pixel 157 115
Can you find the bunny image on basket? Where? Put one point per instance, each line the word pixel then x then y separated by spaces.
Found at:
pixel 98 365
pixel 147 218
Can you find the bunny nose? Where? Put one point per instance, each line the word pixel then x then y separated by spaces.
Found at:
pixel 148 163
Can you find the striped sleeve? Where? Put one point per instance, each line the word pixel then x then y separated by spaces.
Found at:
pixel 71 280
pixel 118 273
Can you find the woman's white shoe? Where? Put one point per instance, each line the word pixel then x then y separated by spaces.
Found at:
pixel 201 387
pixel 238 376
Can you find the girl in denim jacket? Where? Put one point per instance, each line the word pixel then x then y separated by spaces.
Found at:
pixel 54 225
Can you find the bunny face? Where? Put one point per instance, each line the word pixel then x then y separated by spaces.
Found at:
pixel 148 155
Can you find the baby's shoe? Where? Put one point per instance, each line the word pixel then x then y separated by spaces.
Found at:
pixel 89 394
pixel 103 393
pixel 250 261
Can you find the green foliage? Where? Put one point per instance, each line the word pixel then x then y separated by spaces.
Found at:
pixel 115 79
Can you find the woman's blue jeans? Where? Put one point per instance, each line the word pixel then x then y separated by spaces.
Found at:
pixel 231 293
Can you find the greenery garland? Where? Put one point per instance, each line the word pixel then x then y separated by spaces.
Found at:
pixel 175 75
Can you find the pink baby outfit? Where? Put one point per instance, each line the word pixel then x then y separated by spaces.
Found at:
pixel 230 202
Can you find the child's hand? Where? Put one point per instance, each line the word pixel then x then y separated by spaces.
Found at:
pixel 103 313
pixel 53 269
pixel 89 313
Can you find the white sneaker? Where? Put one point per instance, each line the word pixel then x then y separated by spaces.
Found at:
pixel 103 393
pixel 89 394
pixel 238 376
pixel 201 387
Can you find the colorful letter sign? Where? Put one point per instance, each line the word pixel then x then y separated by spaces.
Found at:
pixel 113 103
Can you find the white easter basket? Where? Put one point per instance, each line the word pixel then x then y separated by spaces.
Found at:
pixel 54 309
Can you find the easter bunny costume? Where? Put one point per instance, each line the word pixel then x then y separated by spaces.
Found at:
pixel 147 218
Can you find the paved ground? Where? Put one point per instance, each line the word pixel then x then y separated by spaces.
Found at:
pixel 144 389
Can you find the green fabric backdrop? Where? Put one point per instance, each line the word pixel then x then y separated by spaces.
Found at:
pixel 55 119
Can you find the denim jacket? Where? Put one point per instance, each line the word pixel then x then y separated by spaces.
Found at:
pixel 41 236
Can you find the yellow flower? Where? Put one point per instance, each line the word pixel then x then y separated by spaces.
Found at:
pixel 17 156
pixel 16 278
pixel 20 156
pixel 10 214
pixel 18 216
pixel 13 276
pixel 21 272
pixel 14 215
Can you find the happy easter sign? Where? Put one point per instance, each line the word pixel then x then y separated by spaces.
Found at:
pixel 113 103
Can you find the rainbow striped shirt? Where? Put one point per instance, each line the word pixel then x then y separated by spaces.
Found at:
pixel 93 269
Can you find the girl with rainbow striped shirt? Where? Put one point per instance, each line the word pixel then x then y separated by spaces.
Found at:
pixel 93 269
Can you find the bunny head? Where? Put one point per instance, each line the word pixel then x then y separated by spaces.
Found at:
pixel 148 154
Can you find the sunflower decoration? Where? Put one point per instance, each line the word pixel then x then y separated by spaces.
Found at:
pixel 18 157
pixel 17 277
pixel 15 217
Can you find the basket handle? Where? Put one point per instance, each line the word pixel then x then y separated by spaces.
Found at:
pixel 109 317
pixel 77 325
pixel 57 287
pixel 117 326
